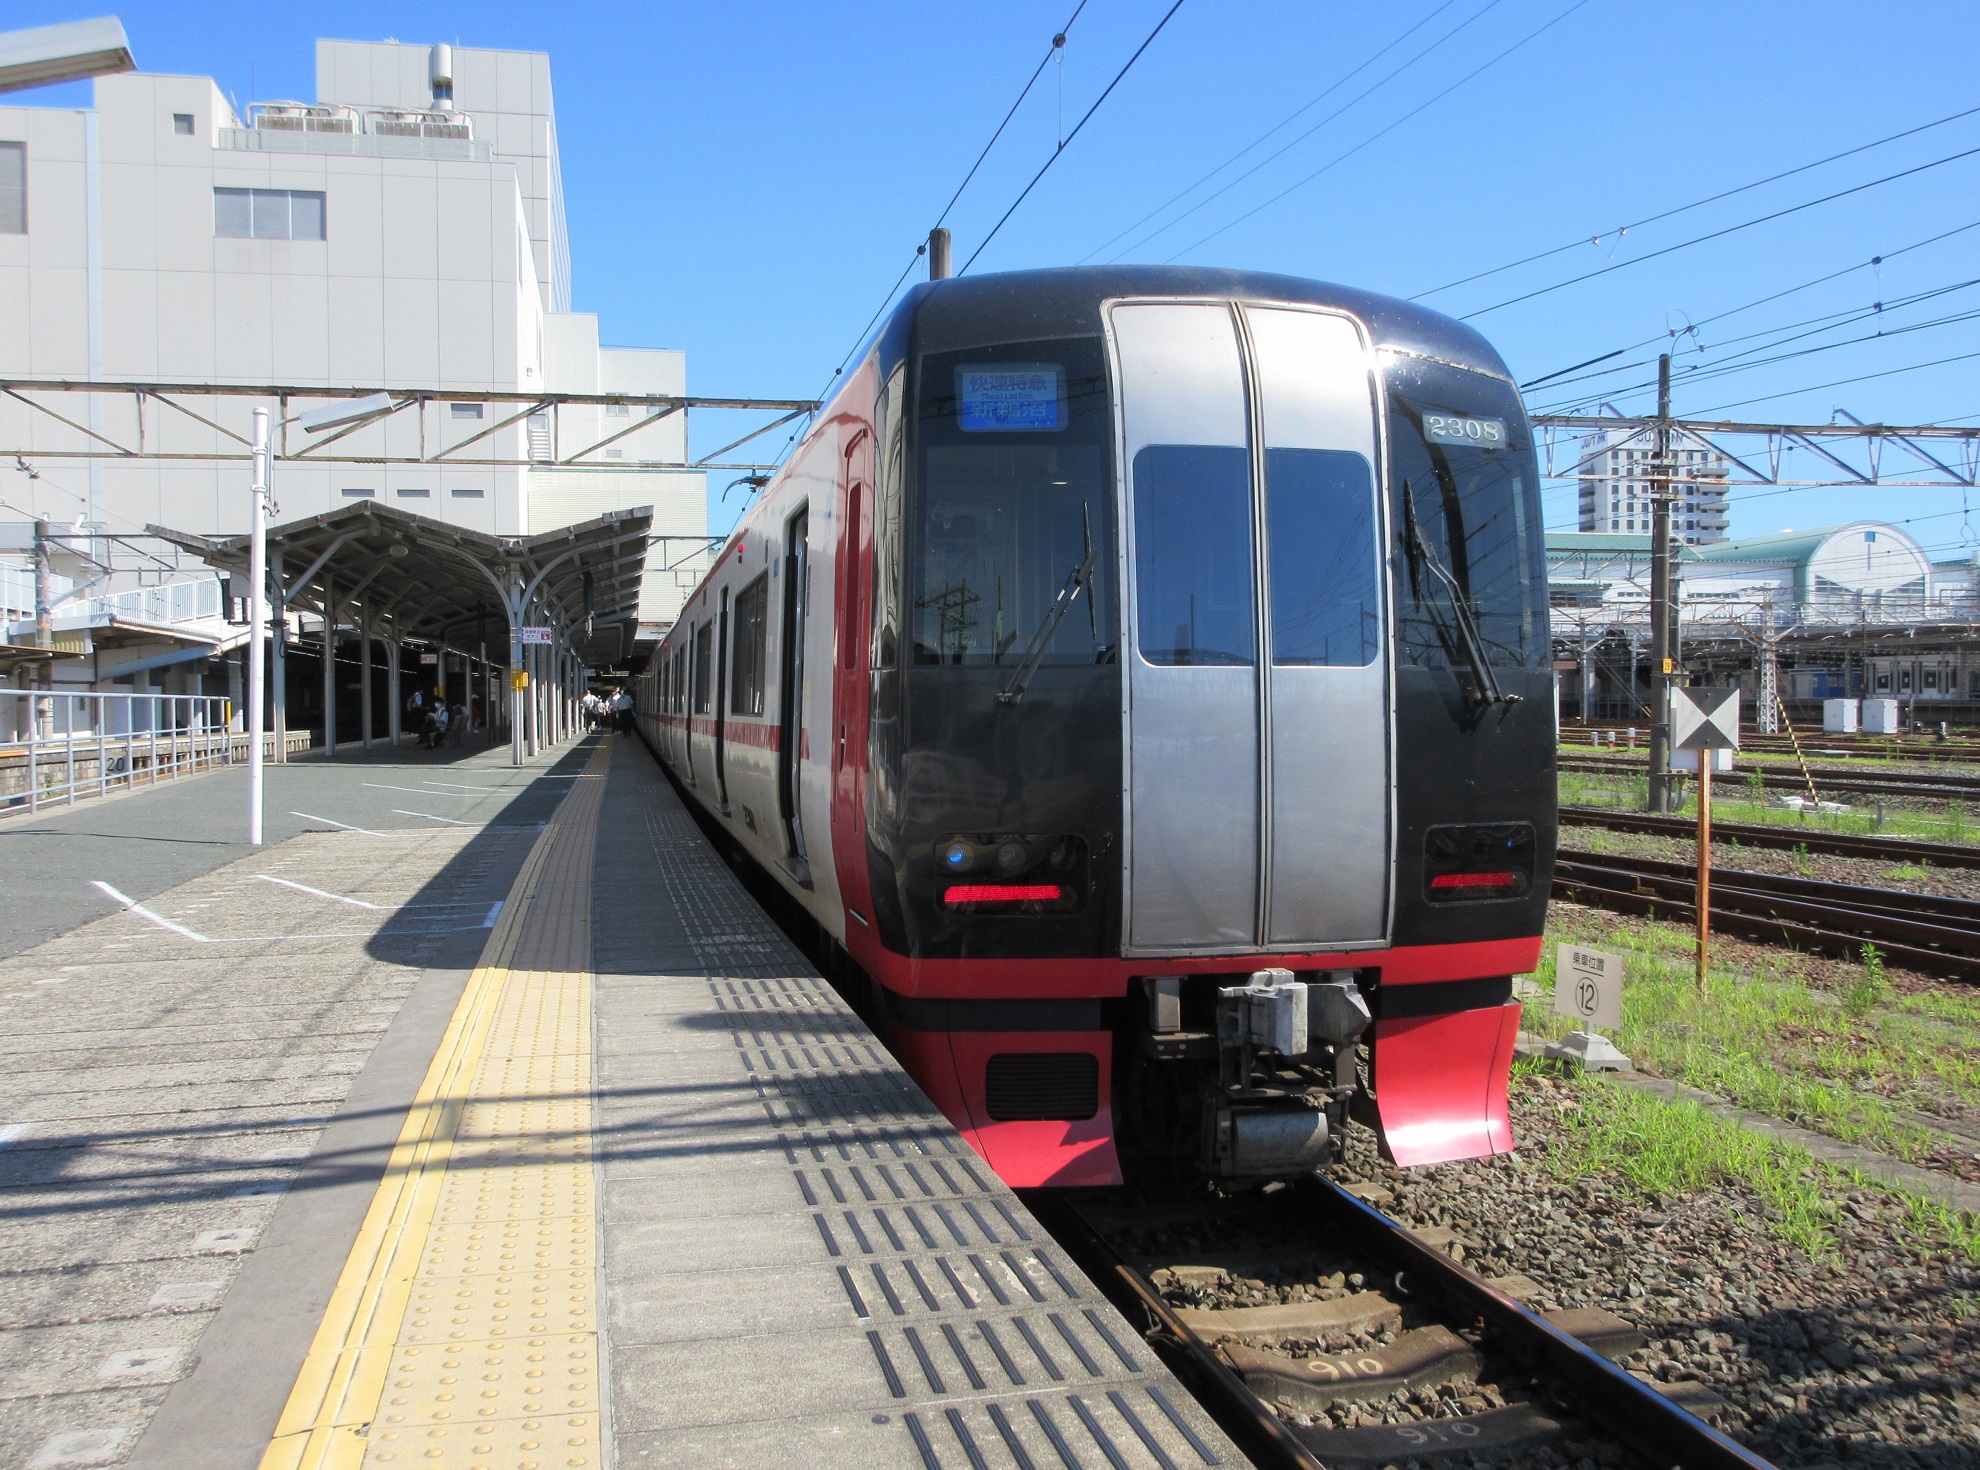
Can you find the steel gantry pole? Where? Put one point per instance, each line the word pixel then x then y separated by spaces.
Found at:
pixel 518 675
pixel 1663 635
pixel 278 657
pixel 329 665
pixel 257 618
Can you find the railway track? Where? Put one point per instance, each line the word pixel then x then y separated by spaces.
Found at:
pixel 1431 1331
pixel 1827 778
pixel 1790 839
pixel 1923 932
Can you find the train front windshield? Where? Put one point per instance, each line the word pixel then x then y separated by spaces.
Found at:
pixel 1461 467
pixel 1013 504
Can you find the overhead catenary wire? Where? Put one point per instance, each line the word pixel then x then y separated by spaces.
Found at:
pixel 1058 46
pixel 1720 234
pixel 1294 143
pixel 1652 219
pixel 1066 142
pixel 1284 122
pixel 1840 382
pixel 921 249
pixel 1691 328
pixel 1372 138
pixel 1745 361
pixel 1772 296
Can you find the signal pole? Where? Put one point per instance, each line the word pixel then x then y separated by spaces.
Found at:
pixel 1663 623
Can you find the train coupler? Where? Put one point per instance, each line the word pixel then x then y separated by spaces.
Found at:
pixel 1285 1069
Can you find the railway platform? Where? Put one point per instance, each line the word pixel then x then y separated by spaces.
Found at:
pixel 484 1120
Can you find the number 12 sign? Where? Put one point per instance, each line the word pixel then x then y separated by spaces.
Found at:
pixel 1588 986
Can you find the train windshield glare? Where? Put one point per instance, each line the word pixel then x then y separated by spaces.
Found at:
pixel 1457 440
pixel 1012 488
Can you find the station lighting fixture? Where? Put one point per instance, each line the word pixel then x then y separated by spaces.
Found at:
pixel 45 55
pixel 350 411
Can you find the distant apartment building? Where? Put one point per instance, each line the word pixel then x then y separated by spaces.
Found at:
pixel 1616 488
pixel 404 231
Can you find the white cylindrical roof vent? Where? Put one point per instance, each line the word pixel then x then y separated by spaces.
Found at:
pixel 440 71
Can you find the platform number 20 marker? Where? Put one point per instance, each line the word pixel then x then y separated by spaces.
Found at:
pixel 1588 986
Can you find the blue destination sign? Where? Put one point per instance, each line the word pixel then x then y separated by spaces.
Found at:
pixel 1012 398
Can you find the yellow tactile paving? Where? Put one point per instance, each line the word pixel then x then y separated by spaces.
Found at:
pixel 464 1329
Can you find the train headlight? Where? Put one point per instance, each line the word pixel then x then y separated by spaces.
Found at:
pixel 1012 858
pixel 956 857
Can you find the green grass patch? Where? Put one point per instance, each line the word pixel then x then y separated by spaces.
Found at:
pixel 1663 1150
pixel 1852 1066
pixel 1739 799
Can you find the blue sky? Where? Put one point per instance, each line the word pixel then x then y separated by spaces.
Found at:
pixel 745 181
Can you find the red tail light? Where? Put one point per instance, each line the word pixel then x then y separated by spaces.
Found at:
pixel 1002 893
pixel 1474 880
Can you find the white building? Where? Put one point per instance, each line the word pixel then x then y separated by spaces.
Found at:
pixel 1616 488
pixel 405 231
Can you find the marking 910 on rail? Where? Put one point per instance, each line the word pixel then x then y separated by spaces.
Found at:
pixel 1141 676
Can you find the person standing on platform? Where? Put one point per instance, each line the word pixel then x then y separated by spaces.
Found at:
pixel 622 712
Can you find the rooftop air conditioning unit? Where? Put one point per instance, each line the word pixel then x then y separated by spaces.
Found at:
pixel 421 123
pixel 299 117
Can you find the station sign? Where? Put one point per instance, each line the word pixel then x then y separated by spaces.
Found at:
pixel 535 635
pixel 429 658
pixel 518 680
pixel 1588 986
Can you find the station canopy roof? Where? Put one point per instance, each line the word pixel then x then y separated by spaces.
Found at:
pixel 428 580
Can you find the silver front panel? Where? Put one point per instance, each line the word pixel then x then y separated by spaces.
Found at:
pixel 1328 874
pixel 1192 731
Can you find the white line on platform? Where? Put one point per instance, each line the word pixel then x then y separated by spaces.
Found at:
pixel 133 906
pixel 340 826
pixel 318 892
pixel 462 784
pixel 401 811
pixel 416 791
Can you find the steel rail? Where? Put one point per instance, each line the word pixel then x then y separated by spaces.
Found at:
pixel 1760 834
pixel 1632 1410
pixel 1956 913
pixel 1839 925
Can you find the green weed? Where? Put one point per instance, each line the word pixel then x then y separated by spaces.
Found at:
pixel 1867 991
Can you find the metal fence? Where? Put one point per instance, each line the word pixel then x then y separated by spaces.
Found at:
pixel 55 746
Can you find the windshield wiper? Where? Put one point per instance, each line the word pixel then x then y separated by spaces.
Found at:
pixel 1081 576
pixel 1468 648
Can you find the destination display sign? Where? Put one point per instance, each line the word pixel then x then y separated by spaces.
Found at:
pixel 1011 398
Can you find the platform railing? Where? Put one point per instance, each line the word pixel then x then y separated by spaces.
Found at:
pixel 56 746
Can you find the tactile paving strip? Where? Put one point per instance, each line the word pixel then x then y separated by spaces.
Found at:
pixel 986 1347
pixel 464 1330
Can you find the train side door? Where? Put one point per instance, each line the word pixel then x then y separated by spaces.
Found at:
pixel 687 702
pixel 790 743
pixel 1257 720
pixel 721 699
pixel 852 614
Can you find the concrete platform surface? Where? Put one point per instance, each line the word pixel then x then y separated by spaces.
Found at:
pixel 489 1122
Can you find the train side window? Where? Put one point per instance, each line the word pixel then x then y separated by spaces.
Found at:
pixel 750 639
pixel 1192 554
pixel 1320 517
pixel 704 667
